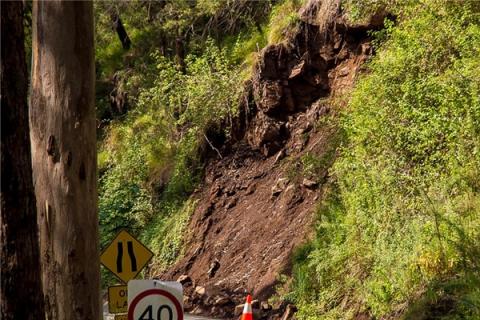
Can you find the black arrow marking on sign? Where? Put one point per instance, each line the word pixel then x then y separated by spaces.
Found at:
pixel 119 256
pixel 132 255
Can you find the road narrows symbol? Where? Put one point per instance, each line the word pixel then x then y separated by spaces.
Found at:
pixel 119 256
pixel 132 256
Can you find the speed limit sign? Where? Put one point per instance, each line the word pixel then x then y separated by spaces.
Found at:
pixel 155 300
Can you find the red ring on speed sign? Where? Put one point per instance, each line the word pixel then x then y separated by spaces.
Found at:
pixel 159 292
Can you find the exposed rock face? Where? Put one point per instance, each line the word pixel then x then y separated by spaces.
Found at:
pixel 324 56
pixel 266 134
pixel 283 84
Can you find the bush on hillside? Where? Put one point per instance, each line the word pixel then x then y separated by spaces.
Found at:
pixel 400 233
pixel 150 160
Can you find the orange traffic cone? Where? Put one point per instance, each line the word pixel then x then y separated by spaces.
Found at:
pixel 247 309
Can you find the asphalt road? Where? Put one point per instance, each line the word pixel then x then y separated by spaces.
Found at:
pixel 194 317
pixel 187 316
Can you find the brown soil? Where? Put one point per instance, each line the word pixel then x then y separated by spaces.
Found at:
pixel 255 206
pixel 241 228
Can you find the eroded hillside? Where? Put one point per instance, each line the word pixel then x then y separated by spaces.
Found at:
pixel 257 201
pixel 283 150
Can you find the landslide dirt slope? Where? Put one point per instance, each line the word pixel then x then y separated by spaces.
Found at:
pixel 257 203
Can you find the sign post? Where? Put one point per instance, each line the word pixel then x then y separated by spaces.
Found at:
pixel 155 300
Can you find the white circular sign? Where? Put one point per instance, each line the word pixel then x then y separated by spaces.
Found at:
pixel 155 304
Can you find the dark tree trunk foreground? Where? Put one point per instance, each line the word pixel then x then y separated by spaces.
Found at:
pixel 62 120
pixel 21 293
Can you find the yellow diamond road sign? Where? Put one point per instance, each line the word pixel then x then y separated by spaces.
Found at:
pixel 125 256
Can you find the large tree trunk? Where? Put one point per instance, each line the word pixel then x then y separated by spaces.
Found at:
pixel 21 293
pixel 62 120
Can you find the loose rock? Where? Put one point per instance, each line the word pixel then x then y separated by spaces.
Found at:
pixel 214 266
pixel 289 312
pixel 231 203
pixel 309 183
pixel 184 279
pixel 221 301
pixel 279 186
pixel 264 305
pixel 200 290
pixel 198 310
pixel 251 189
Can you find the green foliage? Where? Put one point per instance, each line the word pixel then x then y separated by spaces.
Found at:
pixel 400 233
pixel 160 26
pixel 361 10
pixel 167 232
pixel 284 21
pixel 124 202
pixel 150 160
pixel 195 104
pixel 244 48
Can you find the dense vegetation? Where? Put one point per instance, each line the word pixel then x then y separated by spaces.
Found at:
pixel 398 230
pixel 152 148
pixel 399 233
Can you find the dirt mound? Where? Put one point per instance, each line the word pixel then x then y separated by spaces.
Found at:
pixel 256 204
pixel 253 211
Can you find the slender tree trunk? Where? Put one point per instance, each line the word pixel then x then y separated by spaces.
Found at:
pixel 180 54
pixel 19 250
pixel 121 32
pixel 62 120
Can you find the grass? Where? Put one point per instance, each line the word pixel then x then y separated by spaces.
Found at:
pixel 397 233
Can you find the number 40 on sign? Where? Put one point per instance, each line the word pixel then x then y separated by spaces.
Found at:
pixel 155 300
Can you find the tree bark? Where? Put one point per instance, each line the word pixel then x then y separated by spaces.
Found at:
pixel 180 54
pixel 62 120
pixel 121 32
pixel 21 293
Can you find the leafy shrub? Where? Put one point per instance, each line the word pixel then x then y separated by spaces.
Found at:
pixel 150 160
pixel 362 10
pixel 124 201
pixel 167 232
pixel 404 221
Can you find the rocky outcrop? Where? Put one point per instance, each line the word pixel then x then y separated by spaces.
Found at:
pixel 321 59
